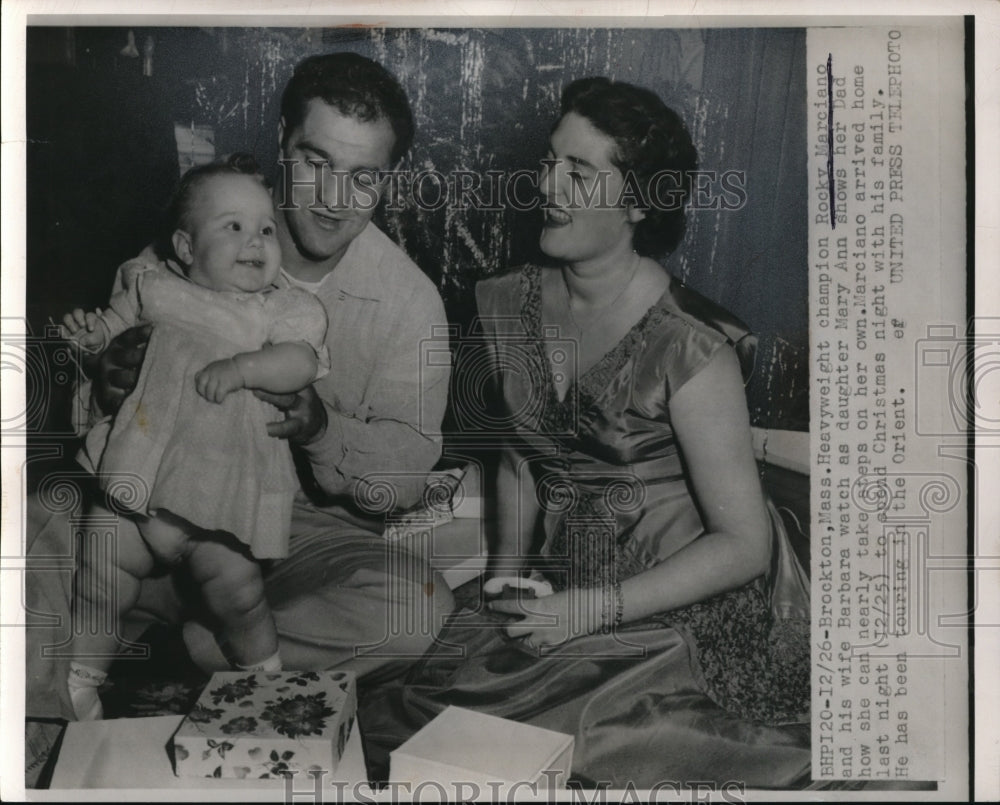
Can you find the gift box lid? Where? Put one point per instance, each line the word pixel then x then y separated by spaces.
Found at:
pixel 486 746
pixel 289 704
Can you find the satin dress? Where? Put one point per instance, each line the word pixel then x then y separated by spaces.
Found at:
pixel 717 691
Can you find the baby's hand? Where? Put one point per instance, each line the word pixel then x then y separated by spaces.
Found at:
pixel 218 379
pixel 84 329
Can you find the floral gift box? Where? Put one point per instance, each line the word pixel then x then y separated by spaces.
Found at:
pixel 257 724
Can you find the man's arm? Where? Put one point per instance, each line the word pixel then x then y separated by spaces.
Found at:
pixel 396 441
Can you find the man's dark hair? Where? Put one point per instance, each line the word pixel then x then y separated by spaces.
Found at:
pixel 176 214
pixel 354 86
pixel 650 139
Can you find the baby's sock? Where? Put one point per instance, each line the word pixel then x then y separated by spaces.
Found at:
pixel 271 664
pixel 83 684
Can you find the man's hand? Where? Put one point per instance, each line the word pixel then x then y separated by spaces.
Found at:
pixel 305 416
pixel 218 380
pixel 116 371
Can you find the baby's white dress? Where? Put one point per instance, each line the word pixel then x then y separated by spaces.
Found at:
pixel 169 448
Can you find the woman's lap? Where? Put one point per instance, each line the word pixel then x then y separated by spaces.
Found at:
pixel 637 717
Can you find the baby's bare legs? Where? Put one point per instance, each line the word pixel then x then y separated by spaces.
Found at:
pixel 231 585
pixel 105 588
pixel 230 581
pixel 233 590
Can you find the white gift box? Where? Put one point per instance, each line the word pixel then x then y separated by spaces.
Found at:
pixel 253 724
pixel 488 757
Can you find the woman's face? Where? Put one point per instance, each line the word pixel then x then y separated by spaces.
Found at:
pixel 585 219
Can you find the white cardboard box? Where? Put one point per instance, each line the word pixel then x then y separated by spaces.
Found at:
pixel 489 756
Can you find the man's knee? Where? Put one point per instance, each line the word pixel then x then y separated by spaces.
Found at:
pixel 414 608
pixel 424 610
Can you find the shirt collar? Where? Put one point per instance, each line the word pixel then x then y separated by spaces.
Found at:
pixel 358 273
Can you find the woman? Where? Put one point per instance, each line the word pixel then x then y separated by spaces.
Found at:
pixel 669 649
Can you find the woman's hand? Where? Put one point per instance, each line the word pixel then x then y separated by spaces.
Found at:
pixel 305 415
pixel 553 619
pixel 218 380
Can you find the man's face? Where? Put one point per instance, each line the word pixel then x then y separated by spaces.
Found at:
pixel 333 159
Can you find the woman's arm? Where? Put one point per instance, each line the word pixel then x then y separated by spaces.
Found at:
pixel 517 515
pixel 277 368
pixel 710 418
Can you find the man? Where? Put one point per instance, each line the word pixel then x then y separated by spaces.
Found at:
pixel 341 597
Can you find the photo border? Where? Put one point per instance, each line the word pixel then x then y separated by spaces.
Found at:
pixel 986 209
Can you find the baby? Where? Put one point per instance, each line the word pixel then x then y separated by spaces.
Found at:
pixel 187 459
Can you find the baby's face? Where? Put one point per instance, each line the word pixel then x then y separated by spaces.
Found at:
pixel 233 242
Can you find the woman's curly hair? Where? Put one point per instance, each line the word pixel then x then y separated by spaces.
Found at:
pixel 653 151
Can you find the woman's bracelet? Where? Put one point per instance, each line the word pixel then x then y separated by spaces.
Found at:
pixel 612 608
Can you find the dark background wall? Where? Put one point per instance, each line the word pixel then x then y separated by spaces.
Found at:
pixel 102 157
